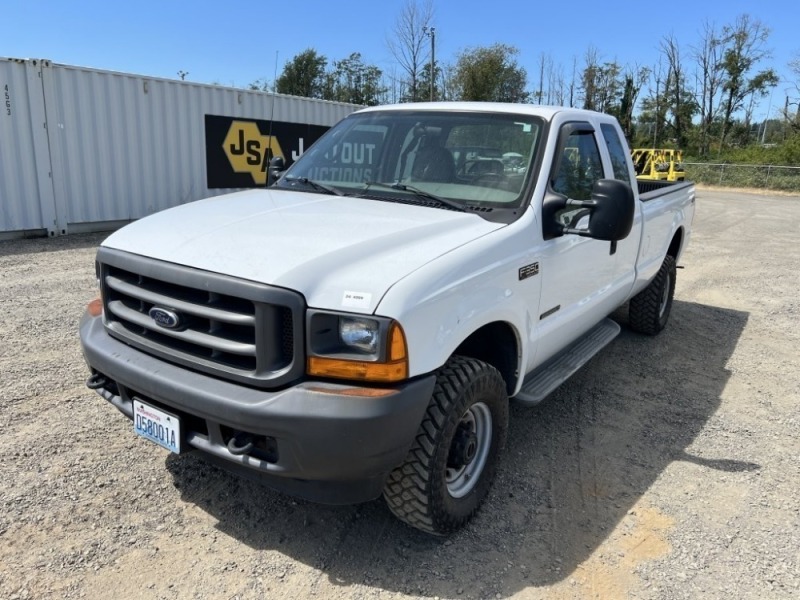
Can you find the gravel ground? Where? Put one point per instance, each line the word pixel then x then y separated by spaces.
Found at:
pixel 668 468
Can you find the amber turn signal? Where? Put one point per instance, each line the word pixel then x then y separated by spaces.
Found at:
pixel 395 369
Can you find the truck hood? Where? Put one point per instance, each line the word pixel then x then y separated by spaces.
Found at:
pixel 341 253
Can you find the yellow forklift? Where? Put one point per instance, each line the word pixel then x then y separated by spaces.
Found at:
pixel 658 164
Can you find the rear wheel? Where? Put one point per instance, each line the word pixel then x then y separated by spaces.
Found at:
pixel 451 464
pixel 649 310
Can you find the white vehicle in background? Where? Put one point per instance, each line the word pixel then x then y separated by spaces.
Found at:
pixel 359 327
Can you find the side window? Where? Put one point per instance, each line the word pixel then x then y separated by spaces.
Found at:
pixel 618 151
pixel 579 167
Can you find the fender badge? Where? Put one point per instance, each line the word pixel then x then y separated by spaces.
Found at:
pixel 528 271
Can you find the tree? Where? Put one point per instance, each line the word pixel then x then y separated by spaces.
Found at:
pixel 351 80
pixel 744 47
pixel 490 74
pixel 424 82
pixel 304 75
pixel 708 56
pixel 653 110
pixel 261 84
pixel 601 85
pixel 410 47
pixel 634 80
pixel 794 119
pixel 678 100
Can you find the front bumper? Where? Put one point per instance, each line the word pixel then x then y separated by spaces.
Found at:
pixel 326 443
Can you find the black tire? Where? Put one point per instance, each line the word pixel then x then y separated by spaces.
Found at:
pixel 649 310
pixel 450 466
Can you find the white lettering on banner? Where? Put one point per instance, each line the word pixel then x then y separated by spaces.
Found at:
pixel 341 174
pixel 298 154
pixel 356 153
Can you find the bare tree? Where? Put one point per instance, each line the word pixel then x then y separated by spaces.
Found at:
pixel 634 79
pixel 410 46
pixel 678 100
pixel 794 65
pixel 555 84
pixel 573 86
pixel 589 80
pixel 708 55
pixel 449 85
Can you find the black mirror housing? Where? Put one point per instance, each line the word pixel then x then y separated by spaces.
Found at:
pixel 276 167
pixel 612 217
pixel 612 211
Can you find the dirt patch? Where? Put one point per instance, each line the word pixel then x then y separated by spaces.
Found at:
pixel 667 468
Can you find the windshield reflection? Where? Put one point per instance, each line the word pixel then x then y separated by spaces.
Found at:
pixel 475 158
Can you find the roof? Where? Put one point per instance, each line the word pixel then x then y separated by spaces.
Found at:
pixel 537 110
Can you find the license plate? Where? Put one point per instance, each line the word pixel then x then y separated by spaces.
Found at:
pixel 157 426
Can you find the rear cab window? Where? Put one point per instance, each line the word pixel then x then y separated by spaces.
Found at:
pixel 618 152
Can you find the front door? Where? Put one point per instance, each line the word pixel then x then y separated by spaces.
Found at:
pixel 577 272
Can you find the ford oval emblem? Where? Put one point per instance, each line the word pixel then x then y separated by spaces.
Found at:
pixel 165 317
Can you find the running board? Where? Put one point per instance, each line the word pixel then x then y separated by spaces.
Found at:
pixel 545 379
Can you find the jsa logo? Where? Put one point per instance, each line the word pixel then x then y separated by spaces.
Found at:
pixel 249 151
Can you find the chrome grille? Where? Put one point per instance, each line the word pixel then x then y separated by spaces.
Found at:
pixel 233 328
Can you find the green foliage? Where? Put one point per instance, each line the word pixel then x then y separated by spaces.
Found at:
pixel 745 176
pixel 603 86
pixel 754 166
pixel 349 80
pixel 786 154
pixel 490 74
pixel 304 75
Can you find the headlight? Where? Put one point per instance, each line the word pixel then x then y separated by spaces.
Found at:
pixel 359 334
pixel 358 348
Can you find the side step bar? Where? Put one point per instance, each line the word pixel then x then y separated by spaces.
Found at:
pixel 545 379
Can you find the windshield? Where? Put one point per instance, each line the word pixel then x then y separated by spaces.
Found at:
pixel 471 158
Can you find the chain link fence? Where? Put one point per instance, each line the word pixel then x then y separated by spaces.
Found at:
pixel 773 177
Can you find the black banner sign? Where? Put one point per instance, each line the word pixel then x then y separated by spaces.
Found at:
pixel 238 150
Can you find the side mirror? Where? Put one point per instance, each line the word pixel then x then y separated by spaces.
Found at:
pixel 612 207
pixel 276 167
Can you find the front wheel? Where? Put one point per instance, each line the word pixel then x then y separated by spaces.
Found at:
pixel 451 464
pixel 649 310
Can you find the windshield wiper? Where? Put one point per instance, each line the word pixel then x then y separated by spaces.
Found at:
pixel 417 192
pixel 320 187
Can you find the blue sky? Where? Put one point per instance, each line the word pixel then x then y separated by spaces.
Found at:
pixel 235 42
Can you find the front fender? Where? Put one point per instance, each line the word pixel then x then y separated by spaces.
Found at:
pixel 450 298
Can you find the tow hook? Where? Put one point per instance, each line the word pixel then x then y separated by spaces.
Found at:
pixel 241 443
pixel 96 381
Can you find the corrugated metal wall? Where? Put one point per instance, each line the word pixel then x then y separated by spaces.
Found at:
pixel 26 189
pixel 119 146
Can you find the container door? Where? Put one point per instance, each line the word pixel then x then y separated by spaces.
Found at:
pixel 26 185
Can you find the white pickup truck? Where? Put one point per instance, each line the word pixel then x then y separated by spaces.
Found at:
pixel 359 327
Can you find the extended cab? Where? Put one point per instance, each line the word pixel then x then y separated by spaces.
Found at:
pixel 359 327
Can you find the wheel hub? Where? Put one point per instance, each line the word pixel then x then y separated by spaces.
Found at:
pixel 464 448
pixel 469 450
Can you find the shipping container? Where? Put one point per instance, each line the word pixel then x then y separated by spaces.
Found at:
pixel 86 150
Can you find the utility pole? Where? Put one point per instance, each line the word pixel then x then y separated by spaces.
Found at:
pixel 431 33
